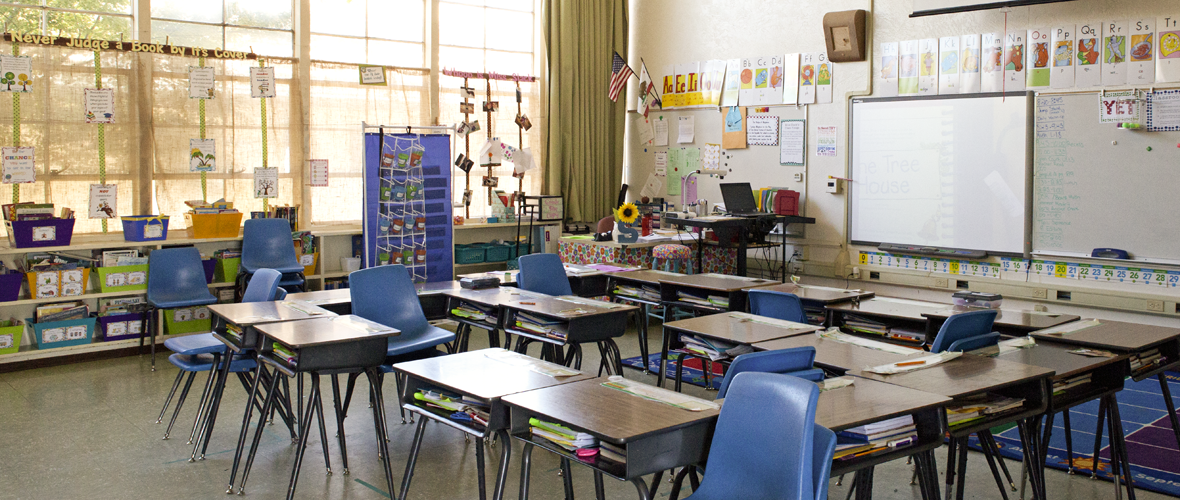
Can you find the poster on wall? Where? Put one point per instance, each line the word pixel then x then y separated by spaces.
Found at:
pixel 761 81
pixel 319 173
pixel 1088 63
pixel 729 94
pixel 807 63
pixel 1014 61
pixel 969 54
pixel 202 155
pixel 1039 73
pixel 1114 52
pixel 1167 57
pixel 888 65
pixel 907 74
pixel 200 82
pixel 262 82
pixel 266 183
pixel 671 99
pixel 948 65
pixel 991 75
pixel 712 76
pixel 1141 50
pixel 372 74
pixel 1062 60
pixel 790 93
pixel 18 166
pixel 688 83
pixel 99 105
pixel 17 74
pixel 928 66
pixel 104 201
pixel 823 78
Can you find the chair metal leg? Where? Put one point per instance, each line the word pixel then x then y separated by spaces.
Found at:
pixel 245 432
pixel 304 431
pixel 397 380
pixel 1171 407
pixel 1068 442
pixel 339 422
pixel 175 385
pixel 159 315
pixel 383 434
pixel 319 410
pixel 991 463
pixel 179 402
pixel 192 437
pixel 992 445
pixel 1098 439
pixel 218 392
pixel 270 397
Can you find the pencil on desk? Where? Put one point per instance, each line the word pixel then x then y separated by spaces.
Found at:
pixel 910 363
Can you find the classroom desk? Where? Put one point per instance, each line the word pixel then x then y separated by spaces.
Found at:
pixel 325 345
pixel 730 327
pixel 906 313
pixel 488 300
pixel 647 280
pixel 816 298
pixel 833 356
pixel 487 375
pixel 339 300
pixel 725 226
pixel 656 436
pixel 583 321
pixel 589 283
pixel 1008 321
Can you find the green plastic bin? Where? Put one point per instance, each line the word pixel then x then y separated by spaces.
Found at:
pixel 187 320
pixel 11 332
pixel 470 254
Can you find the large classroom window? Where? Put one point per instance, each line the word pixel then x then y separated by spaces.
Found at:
pixel 100 19
pixel 265 25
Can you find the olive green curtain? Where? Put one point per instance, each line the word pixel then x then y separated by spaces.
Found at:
pixel 585 129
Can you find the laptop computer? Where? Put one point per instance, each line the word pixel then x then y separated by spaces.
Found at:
pixel 739 199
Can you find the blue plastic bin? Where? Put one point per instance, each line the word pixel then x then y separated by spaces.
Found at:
pixel 145 227
pixel 55 334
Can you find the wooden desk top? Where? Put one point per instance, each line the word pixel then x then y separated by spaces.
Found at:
pixel 495 296
pixel 1115 336
pixel 891 308
pixel 837 356
pixel 508 278
pixel 323 331
pixel 963 376
pixel 323 297
pixel 612 414
pixel 257 313
pixel 716 283
pixel 436 287
pixel 480 375
pixel 742 328
pixel 568 306
pixel 821 294
pixel 867 401
pixel 1011 318
pixel 645 276
pixel 1056 357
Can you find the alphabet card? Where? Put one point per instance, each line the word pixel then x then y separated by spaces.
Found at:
pixel 757 87
pixel 928 66
pixel 823 78
pixel 991 66
pixel 733 70
pixel 969 64
pixel 907 73
pixel 888 86
pixel 790 93
pixel 807 78
pixel 1061 57
pixel 1114 52
pixel 948 65
pixel 1141 68
pixel 1088 71
pixel 1167 62
pixel 1014 61
pixel 1038 74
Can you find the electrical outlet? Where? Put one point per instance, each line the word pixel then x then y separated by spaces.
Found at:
pixel 1155 305
pixel 795 268
pixel 941 283
pixel 1040 293
pixel 799 177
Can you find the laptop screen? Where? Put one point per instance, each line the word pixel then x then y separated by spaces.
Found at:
pixel 738 197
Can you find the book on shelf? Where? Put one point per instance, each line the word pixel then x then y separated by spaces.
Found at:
pixel 457 408
pixel 978 407
pixel 285 354
pixel 713 349
pixel 644 292
pixel 561 435
pixel 62 311
pixel 1070 383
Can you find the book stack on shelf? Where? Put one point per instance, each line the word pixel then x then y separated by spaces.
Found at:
pixel 707 301
pixel 290 213
pixel 335 283
pixel 585 446
pixel 713 349
pixel 978 407
pixel 460 409
pixel 644 292
pixel 62 311
pixel 541 326
pixel 866 326
pixel 876 437
pixel 34 211
pixel 217 207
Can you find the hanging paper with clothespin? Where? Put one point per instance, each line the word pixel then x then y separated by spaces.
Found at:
pixel 492 152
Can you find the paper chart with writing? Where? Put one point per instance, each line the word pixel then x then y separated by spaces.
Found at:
pixel 1062 57
pixel 823 78
pixel 16 74
pixel 99 105
pixel 733 83
pixel 762 130
pixel 372 75
pixel 200 82
pixel 660 126
pixel 1141 51
pixel 807 63
pixel 1015 62
pixel 792 142
pixel 675 171
pixel 686 129
pixel 319 173
pixel 266 183
pixel 661 163
pixel 888 65
pixel 643 126
pixel 991 74
pixel 825 141
pixel 948 65
pixel 761 81
pixel 790 93
pixel 1167 57
pixel 969 54
pixel 907 72
pixel 1038 72
pixel 202 155
pixel 1163 111
pixel 1114 52
pixel 18 166
pixel 104 201
pixel 262 82
pixel 928 66
pixel 1088 62
pixel 711 156
pixel 651 188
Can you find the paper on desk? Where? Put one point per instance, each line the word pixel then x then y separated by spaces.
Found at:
pixel 834 334
pixel 1067 328
pixel 730 276
pixel 573 299
pixel 686 130
pixel 753 318
pixel 926 362
pixel 519 360
pixel 658 394
pixel 1006 346
pixel 256 319
pixel 835 383
pixel 303 308
pixel 361 324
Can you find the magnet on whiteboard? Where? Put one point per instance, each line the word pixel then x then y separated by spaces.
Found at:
pixel 1116 143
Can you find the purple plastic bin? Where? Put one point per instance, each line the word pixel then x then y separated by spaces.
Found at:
pixel 210 266
pixel 48 232
pixel 10 286
pixel 127 320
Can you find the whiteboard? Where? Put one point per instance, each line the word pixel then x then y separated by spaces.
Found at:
pixel 931 7
pixel 1092 193
pixel 942 171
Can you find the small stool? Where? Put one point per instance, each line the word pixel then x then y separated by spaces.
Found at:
pixel 673 257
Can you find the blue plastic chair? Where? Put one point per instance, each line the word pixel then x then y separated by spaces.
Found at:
pixel 966 331
pixel 778 305
pixel 750 459
pixel 267 244
pixel 176 278
pixel 797 362
pixel 543 273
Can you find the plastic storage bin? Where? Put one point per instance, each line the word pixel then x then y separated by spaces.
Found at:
pixel 470 254
pixel 40 233
pixel 55 334
pixel 308 261
pixel 227 269
pixel 10 286
pixel 210 266
pixel 122 278
pixel 10 336
pixel 202 226
pixel 121 326
pixel 145 227
pixel 52 284
pixel 497 252
pixel 187 320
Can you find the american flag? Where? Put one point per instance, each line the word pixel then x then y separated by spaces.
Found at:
pixel 619 73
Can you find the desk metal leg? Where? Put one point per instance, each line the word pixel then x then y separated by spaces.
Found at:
pixel 526 463
pixel 479 468
pixel 383 432
pixel 415 447
pixel 952 447
pixel 664 345
pixel 319 410
pixel 1171 406
pixel 641 325
pixel 863 482
pixel 599 490
pixel 567 479
pixel 270 396
pixel 339 422
pixel 233 472
pixel 299 422
pixel 304 431
pixel 640 486
pixel 1068 441
pixel 1118 436
pixel 1098 439
pixel 962 479
pixel 502 472
pixel 927 475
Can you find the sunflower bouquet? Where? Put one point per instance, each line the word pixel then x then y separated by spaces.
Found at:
pixel 627 213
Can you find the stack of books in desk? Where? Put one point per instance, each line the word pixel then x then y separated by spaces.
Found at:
pixel 709 301
pixel 713 349
pixel 876 437
pixel 1064 385
pixel 283 353
pixel 978 407
pixel 537 325
pixel 1147 361
pixel 644 292
pixel 234 332
pixel 860 324
pixel 475 312
pixel 457 408
pixel 585 446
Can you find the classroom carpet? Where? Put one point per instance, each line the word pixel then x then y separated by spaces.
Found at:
pixel 693 372
pixel 1151 445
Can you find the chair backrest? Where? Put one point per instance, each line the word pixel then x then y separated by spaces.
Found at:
pixel 779 305
pixel 267 243
pixel 781 361
pixel 263 286
pixel 543 273
pixel 386 295
pixel 280 293
pixel 763 443
pixel 822 448
pixel 177 272
pixel 963 325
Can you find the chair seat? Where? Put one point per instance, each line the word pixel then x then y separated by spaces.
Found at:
pixel 430 337
pixel 671 251
pixel 191 345
pixel 204 362
pixel 167 300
